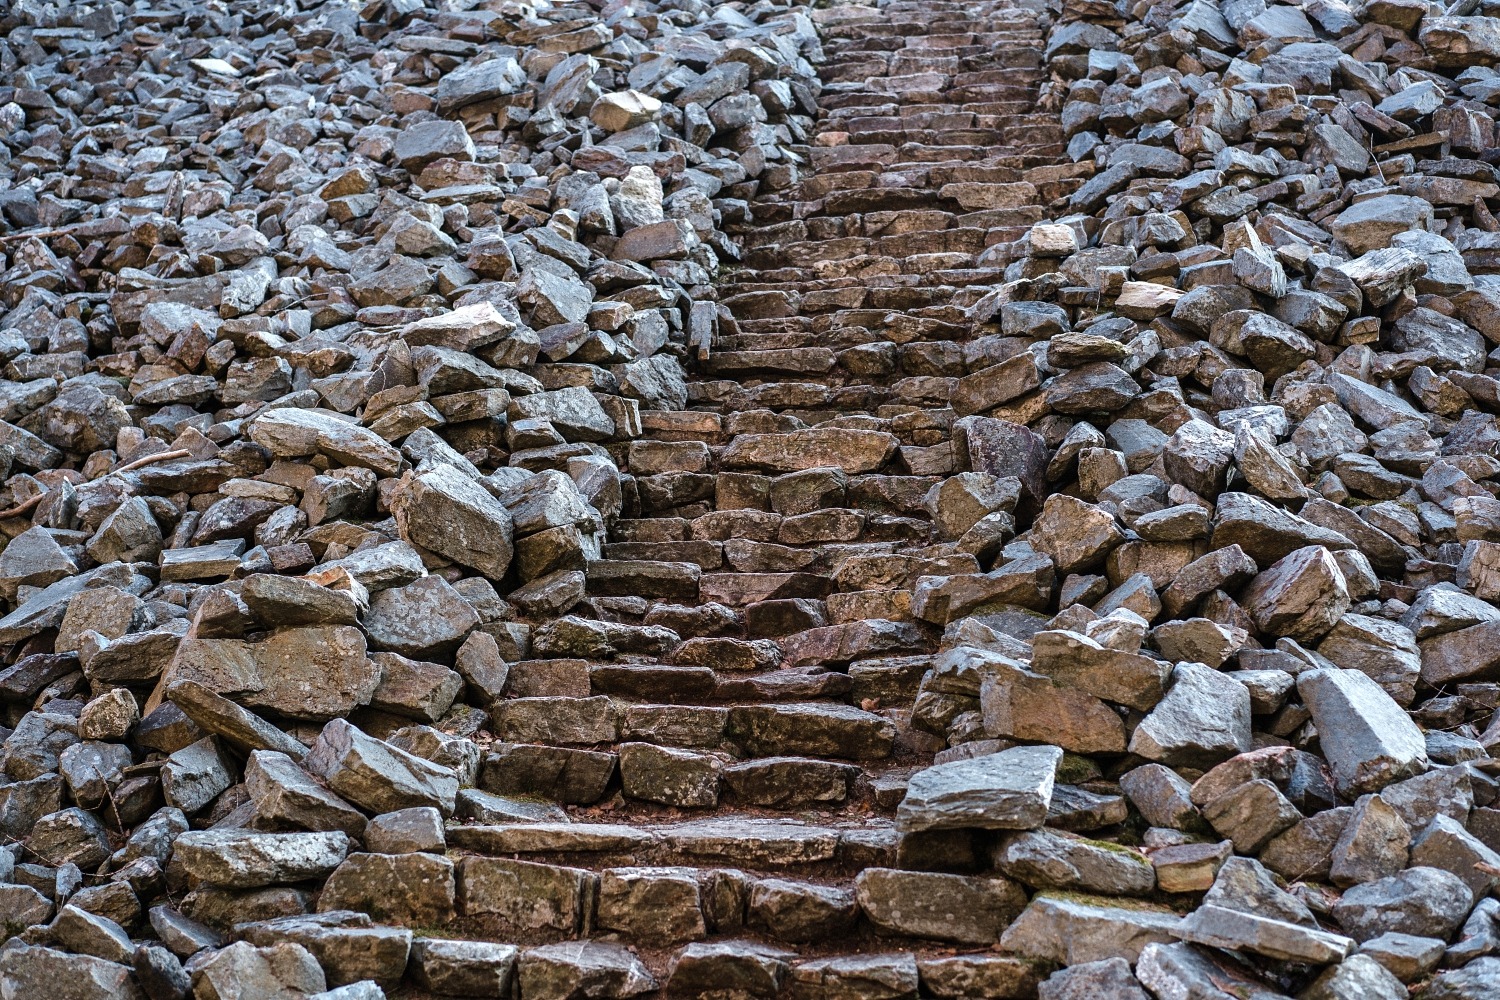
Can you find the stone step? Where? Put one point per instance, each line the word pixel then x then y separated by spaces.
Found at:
pixel 582 718
pixel 666 906
pixel 743 841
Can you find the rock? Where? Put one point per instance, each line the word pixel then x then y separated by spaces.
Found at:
pixel 235 725
pixel 1447 845
pixel 1370 225
pixel 1075 929
pixel 1407 957
pixel 1238 931
pixel 1116 675
pixel 1009 790
pixel 300 673
pixel 410 889
pixel 244 860
pixel 1356 976
pixel 746 968
pixel 376 776
pixel 1468 983
pixel 1425 902
pixel 35 971
pixel 463 967
pixel 853 451
pixel 670 777
pixel 1301 596
pixel 1374 843
pixel 242 970
pixel 1461 41
pixel 288 433
pixel 1181 969
pixel 445 512
pixel 420 144
pixel 1075 534
pixel 964 909
pixel 419 828
pixel 1043 859
pixel 624 110
pixel 1250 814
pixel 582 968
pixel 1204 717
pixel 345 944
pixel 797 911
pixel 1368 740
pixel 1109 977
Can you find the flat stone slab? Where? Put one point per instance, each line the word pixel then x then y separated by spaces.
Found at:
pixel 1009 790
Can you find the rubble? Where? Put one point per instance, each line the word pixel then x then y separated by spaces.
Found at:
pixel 882 499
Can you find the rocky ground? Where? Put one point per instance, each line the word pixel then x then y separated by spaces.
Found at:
pixel 915 498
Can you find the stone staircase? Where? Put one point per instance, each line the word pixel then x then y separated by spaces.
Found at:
pixel 778 528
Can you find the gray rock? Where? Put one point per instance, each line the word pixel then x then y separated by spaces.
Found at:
pixel 444 511
pixel 1368 740
pixel 1425 902
pixel 1109 977
pixel 244 859
pixel 1043 859
pixel 1407 957
pixel 241 971
pixel 1183 970
pixel 1235 930
pixel 300 673
pixel 1204 717
pixel 32 971
pixel 743 968
pixel 964 909
pixel 1373 844
pixel 418 145
pixel 1471 982
pixel 1446 844
pixel 284 793
pixel 1009 790
pixel 458 968
pixel 419 828
pixel 413 889
pixel 347 945
pixel 582 968
pixel 376 776
pixel 1357 976
pixel 1073 929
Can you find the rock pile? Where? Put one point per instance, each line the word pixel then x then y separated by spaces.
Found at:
pixel 744 500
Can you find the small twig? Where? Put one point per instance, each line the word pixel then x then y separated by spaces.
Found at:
pixel 45 234
pixel 163 456
pixel 23 507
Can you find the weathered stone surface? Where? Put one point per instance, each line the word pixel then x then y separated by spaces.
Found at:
pixel 244 860
pixel 1237 931
pixel 377 776
pixel 242 970
pixel 582 968
pixel 964 909
pixel 1368 740
pixel 1046 860
pixel 300 673
pixel 1074 929
pixel 1204 717
pixel 414 889
pixel 1425 902
pixel 1009 790
pixel 444 511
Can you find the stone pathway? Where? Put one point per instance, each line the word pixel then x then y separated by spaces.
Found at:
pixel 749 500
pixel 780 527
